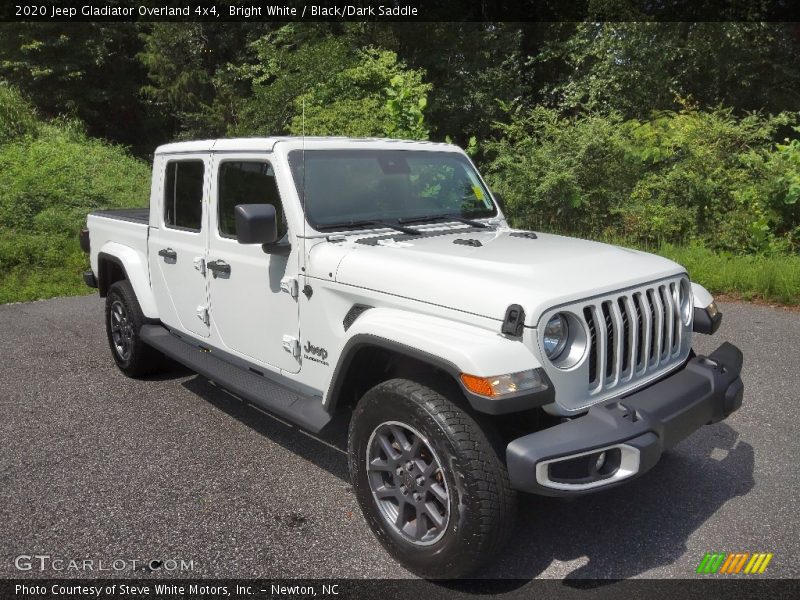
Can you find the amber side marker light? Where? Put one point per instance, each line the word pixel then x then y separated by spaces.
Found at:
pixel 477 385
pixel 501 385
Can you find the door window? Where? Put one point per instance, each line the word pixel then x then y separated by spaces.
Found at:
pixel 247 182
pixel 183 194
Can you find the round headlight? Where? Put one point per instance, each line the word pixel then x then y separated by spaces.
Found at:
pixel 686 301
pixel 555 336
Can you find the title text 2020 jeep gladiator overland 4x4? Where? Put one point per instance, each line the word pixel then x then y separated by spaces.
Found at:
pixel 317 275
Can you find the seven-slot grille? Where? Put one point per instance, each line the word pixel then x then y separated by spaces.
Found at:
pixel 632 334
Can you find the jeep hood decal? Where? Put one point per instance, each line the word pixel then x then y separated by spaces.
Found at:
pixel 484 278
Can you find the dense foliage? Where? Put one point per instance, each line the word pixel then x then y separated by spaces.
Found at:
pixel 678 176
pixel 51 175
pixel 635 68
pixel 643 133
pixel 369 93
pixel 17 117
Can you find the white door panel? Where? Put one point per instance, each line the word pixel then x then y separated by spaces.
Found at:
pixel 250 314
pixel 184 283
pixel 249 311
pixel 176 253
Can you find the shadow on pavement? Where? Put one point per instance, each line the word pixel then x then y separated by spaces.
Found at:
pixel 615 535
pixel 327 449
pixel 645 524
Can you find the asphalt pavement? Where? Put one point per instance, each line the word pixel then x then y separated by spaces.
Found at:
pixel 96 466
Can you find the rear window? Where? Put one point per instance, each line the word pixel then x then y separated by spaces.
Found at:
pixel 183 194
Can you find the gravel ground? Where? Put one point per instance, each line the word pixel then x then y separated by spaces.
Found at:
pixel 95 465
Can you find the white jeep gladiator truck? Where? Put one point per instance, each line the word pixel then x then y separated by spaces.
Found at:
pixel 379 278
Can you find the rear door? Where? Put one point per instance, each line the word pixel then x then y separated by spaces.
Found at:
pixel 254 308
pixel 177 245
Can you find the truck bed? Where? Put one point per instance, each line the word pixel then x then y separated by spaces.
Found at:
pixel 119 231
pixel 136 215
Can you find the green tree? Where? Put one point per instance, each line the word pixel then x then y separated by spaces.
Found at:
pixel 378 96
pixel 348 81
pixel 288 63
pixel 635 68
pixel 192 73
pixel 560 173
pixel 472 68
pixel 83 70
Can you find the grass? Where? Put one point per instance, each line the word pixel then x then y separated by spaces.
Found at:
pixel 774 279
pixel 51 267
pixel 46 282
pixel 48 183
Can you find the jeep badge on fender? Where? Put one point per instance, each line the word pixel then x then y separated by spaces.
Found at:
pixel 311 349
pixel 432 321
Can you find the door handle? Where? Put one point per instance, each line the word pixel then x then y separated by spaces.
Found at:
pixel 219 267
pixel 168 253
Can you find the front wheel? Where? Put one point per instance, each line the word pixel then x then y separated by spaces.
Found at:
pixel 431 484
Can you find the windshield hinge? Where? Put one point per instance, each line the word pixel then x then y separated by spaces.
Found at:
pixel 290 286
pixel 514 321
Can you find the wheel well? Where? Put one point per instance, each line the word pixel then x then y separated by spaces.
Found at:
pixel 109 271
pixel 371 365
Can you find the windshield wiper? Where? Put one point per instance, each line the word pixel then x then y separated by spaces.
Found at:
pixel 366 223
pixel 442 217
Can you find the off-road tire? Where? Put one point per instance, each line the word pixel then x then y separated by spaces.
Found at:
pixel 482 507
pixel 140 359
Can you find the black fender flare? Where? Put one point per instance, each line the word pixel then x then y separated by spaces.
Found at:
pixel 494 406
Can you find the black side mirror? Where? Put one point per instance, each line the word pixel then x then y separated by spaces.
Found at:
pixel 256 224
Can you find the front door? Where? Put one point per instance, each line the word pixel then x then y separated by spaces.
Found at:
pixel 254 308
pixel 177 245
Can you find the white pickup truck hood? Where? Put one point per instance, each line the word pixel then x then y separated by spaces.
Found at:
pixel 484 280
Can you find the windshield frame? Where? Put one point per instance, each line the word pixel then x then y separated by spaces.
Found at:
pixel 295 156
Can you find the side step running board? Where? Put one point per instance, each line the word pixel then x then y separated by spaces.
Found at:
pixel 305 411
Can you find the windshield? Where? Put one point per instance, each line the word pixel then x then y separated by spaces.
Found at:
pixel 348 187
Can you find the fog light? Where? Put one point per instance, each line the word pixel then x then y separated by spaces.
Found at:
pixel 601 461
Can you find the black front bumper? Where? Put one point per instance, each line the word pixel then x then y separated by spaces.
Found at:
pixel 633 431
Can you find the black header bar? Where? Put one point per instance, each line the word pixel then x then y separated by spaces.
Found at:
pixel 399 10
pixel 166 588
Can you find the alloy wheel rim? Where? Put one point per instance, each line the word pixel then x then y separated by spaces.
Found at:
pixel 407 482
pixel 121 330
